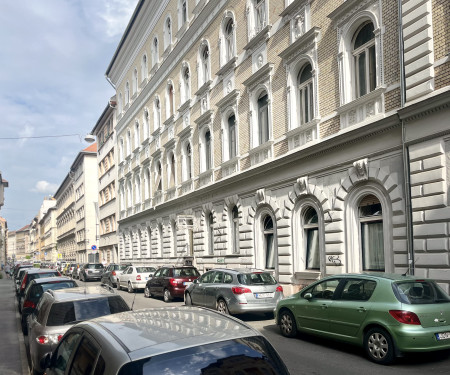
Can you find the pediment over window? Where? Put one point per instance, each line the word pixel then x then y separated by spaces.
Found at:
pixel 348 8
pixel 205 118
pixel 302 45
pixel 230 65
pixel 228 100
pixel 185 133
pixel 260 76
pixel 262 37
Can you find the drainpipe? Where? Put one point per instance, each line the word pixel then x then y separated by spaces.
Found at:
pixel 405 150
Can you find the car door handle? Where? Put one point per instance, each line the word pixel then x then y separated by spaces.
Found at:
pixel 361 309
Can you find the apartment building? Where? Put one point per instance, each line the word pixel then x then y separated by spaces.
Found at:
pixel 11 244
pixel 303 137
pixel 107 172
pixel 3 240
pixel 23 243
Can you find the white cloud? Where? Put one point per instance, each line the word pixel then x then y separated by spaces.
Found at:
pixel 45 187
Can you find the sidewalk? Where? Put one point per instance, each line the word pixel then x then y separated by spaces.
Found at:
pixel 13 358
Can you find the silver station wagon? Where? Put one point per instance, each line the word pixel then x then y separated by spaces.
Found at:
pixel 235 291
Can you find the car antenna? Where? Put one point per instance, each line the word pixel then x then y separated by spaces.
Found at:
pixel 134 298
pixel 408 271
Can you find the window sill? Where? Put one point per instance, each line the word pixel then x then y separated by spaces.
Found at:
pixel 230 64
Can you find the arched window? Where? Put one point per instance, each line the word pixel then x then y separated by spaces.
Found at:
pixel 186 84
pixel 364 60
pixel 371 227
pixel 235 229
pixel 168 33
pixel 158 183
pixel 187 162
pixel 210 229
pixel 311 238
pixel 129 194
pixel 155 51
pixel 208 150
pixel 135 81
pixel 260 15
pixel 229 39
pixel 144 67
pixel 137 193
pixel 172 169
pixel 269 242
pixel 174 238
pixel 121 150
pixel 183 10
pixel 128 142
pixel 149 242
pixel 122 198
pixel 170 100
pixel 146 124
pixel 147 184
pixel 137 136
pixel 157 113
pixel 232 145
pixel 305 95
pixel 127 93
pixel 161 240
pixel 263 118
pixel 205 64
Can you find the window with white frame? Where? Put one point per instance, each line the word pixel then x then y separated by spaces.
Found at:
pixel 137 188
pixel 128 142
pixel 257 16
pixel 186 83
pixel 364 60
pixel 147 184
pixel 174 237
pixel 187 162
pixel 311 238
pixel 135 81
pixel 171 165
pixel 263 118
pixel 121 149
pixel 230 137
pixel 137 135
pixel 168 33
pixel 229 39
pixel 205 73
pixel 161 240
pixel 155 51
pixel 305 92
pixel 269 242
pixel 127 93
pixel 170 100
pixel 144 67
pixel 146 124
pixel 210 232
pixel 158 176
pixel 157 113
pixel 183 13
pixel 235 229
pixel 149 241
pixel 129 194
pixel 206 157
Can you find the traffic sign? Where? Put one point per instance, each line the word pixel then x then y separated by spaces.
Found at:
pixel 93 247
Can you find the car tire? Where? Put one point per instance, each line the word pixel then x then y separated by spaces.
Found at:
pixel 188 300
pixel 167 296
pixel 288 326
pixel 379 346
pixel 130 287
pixel 222 307
pixel 147 292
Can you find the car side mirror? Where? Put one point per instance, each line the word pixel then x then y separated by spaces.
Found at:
pixel 46 360
pixel 195 281
pixel 307 296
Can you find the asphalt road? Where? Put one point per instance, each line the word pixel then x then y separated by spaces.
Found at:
pixel 311 355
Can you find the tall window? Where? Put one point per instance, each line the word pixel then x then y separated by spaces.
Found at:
pixel 135 81
pixel 174 237
pixel 172 166
pixel 146 124
pixel 210 228
pixel 188 162
pixel 235 229
pixel 121 149
pixel 122 198
pixel 229 40
pixel 144 67
pixel 161 240
pixel 232 145
pixel 137 193
pixel 170 99
pixel 137 136
pixel 155 52
pixel 128 142
pixel 157 113
pixel 127 93
pixel 260 15
pixel 129 194
pixel 364 60
pixel 305 95
pixel 158 176
pixel 208 150
pixel 311 238
pixel 372 241
pixel 183 12
pixel 263 118
pixel 168 34
pixel 147 184
pixel 269 246
pixel 186 84
pixel 205 63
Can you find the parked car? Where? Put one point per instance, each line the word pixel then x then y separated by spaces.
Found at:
pixel 91 271
pixel 64 268
pixel 75 272
pixel 387 314
pixel 19 267
pixel 19 277
pixel 112 272
pixel 69 269
pixel 59 309
pixel 134 277
pixel 235 291
pixel 31 274
pixel 199 341
pixel 170 282
pixel 36 289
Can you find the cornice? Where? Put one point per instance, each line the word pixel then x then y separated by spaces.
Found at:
pixel 231 64
pixel 256 77
pixel 206 117
pixel 423 108
pixel 185 133
pixel 301 44
pixel 228 99
pixel 262 36
pixel 347 9
pixel 294 6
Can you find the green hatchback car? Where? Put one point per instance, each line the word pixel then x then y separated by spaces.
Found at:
pixel 387 314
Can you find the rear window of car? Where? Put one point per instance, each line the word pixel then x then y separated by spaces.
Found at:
pixel 145 269
pixel 73 311
pixel 185 272
pixel 256 278
pixel 253 355
pixel 94 266
pixel 42 275
pixel 419 292
pixel 39 289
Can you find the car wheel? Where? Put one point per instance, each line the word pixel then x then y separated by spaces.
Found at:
pixel 188 300
pixel 288 327
pixel 130 288
pixel 167 296
pixel 147 293
pixel 379 346
pixel 222 306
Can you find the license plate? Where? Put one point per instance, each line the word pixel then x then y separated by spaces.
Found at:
pixel 443 336
pixel 146 278
pixel 263 295
pixel 187 283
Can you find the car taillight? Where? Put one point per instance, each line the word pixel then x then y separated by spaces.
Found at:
pixel 173 282
pixel 113 273
pixel 240 290
pixel 405 317
pixel 29 303
pixel 24 281
pixel 46 339
pixel 138 278
pixel 280 289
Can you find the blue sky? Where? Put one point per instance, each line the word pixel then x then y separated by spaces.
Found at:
pixel 53 58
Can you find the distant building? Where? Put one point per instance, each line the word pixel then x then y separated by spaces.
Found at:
pixel 3 240
pixel 302 137
pixel 23 243
pixel 3 184
pixel 11 244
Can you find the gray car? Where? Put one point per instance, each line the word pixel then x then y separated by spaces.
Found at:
pixel 58 310
pixel 235 291
pixel 177 340
pixel 111 273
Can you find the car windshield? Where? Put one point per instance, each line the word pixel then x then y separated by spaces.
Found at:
pixel 75 311
pixel 145 269
pixel 256 278
pixel 419 292
pixel 121 267
pixel 253 355
pixel 185 272
pixel 94 266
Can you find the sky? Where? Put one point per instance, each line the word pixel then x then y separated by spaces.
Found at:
pixel 53 59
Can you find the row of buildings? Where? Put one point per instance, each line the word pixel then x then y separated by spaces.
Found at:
pixel 302 137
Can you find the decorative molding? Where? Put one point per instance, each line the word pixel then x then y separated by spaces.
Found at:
pixel 302 183
pixel 260 38
pixel 205 118
pixel 361 167
pixel 230 65
pixel 304 43
pixel 228 100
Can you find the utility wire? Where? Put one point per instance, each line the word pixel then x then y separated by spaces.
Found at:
pixel 44 136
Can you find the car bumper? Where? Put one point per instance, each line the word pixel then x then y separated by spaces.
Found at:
pixel 240 308
pixel 93 277
pixel 140 285
pixel 419 339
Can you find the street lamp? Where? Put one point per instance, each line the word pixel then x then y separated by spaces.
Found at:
pixel 89 138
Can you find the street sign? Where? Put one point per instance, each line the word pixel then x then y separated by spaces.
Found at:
pixel 93 247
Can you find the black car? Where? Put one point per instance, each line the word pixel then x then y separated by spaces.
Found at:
pixel 91 271
pixel 36 289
